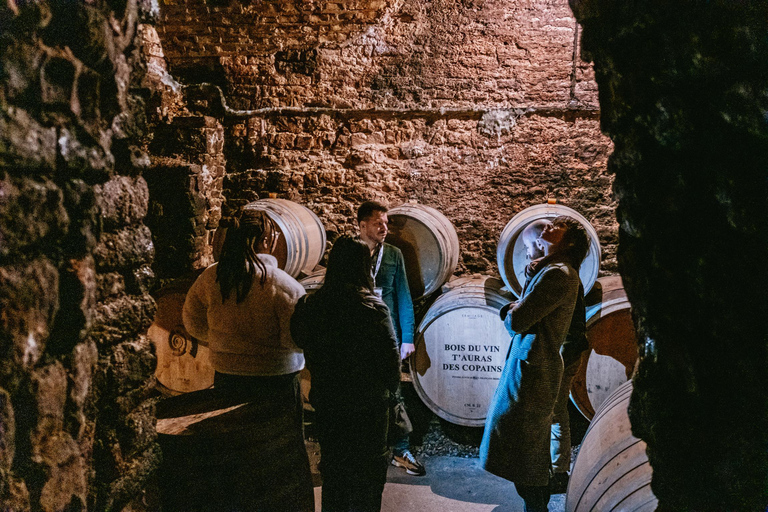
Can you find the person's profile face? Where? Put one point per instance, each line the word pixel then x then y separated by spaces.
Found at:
pixel 553 234
pixel 374 227
pixel 534 247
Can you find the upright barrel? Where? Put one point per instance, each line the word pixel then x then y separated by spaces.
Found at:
pixel 429 244
pixel 612 353
pixel 183 362
pixel 302 242
pixel 611 471
pixel 461 346
pixel 510 253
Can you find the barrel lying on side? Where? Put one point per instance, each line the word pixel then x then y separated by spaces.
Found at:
pixel 461 346
pixel 429 245
pixel 510 253
pixel 611 471
pixel 183 362
pixel 302 242
pixel 313 281
pixel 311 284
pixel 612 353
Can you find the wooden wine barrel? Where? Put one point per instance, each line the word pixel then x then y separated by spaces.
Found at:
pixel 302 242
pixel 611 471
pixel 183 362
pixel 225 453
pixel 612 353
pixel 510 253
pixel 311 284
pixel 313 281
pixel 461 346
pixel 429 244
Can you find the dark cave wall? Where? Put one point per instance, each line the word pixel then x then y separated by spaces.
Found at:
pixel 683 97
pixel 76 418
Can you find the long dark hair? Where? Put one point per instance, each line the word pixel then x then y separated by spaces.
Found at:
pixel 238 261
pixel 574 245
pixel 349 267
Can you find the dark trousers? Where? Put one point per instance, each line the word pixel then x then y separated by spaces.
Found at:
pixel 353 456
pixel 536 498
pixel 400 426
pixel 267 467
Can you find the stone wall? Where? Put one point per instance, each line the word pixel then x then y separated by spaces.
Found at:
pixel 683 96
pixel 76 421
pixel 186 181
pixel 479 180
pixel 479 109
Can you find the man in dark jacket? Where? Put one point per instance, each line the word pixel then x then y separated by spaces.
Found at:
pixel 388 268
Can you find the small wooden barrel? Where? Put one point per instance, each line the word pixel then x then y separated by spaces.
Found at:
pixel 612 353
pixel 461 346
pixel 510 253
pixel 429 244
pixel 221 453
pixel 302 242
pixel 183 362
pixel 611 471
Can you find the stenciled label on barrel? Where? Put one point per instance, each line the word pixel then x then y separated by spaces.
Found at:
pixel 461 362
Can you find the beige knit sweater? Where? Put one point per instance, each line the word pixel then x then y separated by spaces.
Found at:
pixel 254 336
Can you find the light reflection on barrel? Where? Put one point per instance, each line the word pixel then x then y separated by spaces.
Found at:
pixel 429 245
pixel 510 253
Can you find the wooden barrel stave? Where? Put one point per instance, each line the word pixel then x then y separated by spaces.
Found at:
pixel 510 252
pixel 611 471
pixel 639 479
pixel 313 281
pixel 603 481
pixel 429 244
pixel 649 505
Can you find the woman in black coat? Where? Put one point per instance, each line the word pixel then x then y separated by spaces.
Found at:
pixel 351 353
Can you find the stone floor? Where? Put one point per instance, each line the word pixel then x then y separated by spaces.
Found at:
pixel 454 481
pixel 452 484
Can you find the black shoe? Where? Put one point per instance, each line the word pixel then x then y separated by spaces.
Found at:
pixel 558 483
pixel 407 461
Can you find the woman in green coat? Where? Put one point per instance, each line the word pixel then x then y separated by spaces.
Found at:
pixel 515 443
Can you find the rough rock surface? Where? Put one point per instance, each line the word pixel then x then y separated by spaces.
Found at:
pixel 683 96
pixel 74 258
pixel 479 109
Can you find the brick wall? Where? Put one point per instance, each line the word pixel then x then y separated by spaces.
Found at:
pixel 479 109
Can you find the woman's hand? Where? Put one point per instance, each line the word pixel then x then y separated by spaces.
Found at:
pixel 505 309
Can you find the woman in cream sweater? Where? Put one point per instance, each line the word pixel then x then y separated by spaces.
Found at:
pixel 242 306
